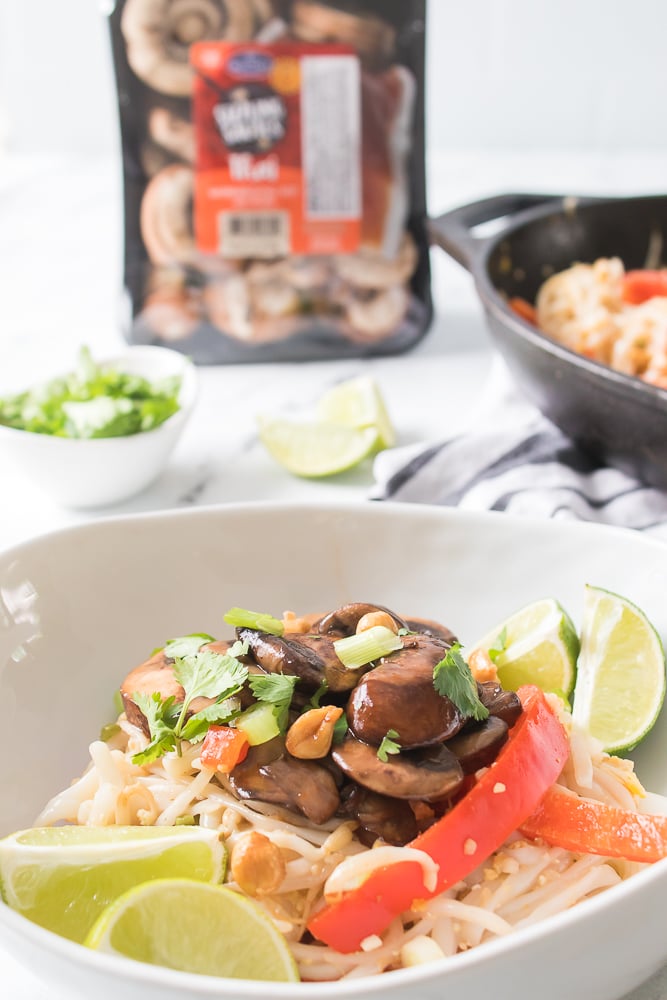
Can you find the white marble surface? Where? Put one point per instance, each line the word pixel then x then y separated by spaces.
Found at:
pixel 60 251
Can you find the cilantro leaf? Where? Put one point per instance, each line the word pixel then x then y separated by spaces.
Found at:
pixel 277 689
pixel 389 745
pixel 499 646
pixel 186 645
pixel 196 727
pixel 452 678
pixel 92 401
pixel 159 714
pixel 208 674
pixel 319 694
pixel 339 730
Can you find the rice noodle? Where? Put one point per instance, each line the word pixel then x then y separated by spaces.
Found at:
pixel 521 883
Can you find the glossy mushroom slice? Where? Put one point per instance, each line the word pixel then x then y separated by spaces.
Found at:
pixel 268 774
pixel 156 676
pixel 478 744
pixel 503 704
pixel 399 694
pixel 428 775
pixel 380 816
pixel 428 627
pixel 311 657
pixel 344 620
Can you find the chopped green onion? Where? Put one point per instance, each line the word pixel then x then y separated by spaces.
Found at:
pixel 242 618
pixel 185 820
pixel 357 650
pixel 259 723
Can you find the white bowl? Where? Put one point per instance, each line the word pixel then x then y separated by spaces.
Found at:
pixel 103 471
pixel 80 606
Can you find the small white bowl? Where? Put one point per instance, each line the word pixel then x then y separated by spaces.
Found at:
pixel 97 472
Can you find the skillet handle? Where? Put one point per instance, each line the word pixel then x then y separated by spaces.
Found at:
pixel 453 230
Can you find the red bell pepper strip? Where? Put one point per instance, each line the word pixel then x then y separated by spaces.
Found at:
pixel 223 748
pixel 640 286
pixel 585 826
pixel 479 824
pixel 524 309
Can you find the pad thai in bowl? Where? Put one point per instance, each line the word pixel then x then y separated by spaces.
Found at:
pixel 383 801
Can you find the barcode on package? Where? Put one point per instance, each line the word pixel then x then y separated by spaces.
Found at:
pixel 254 234
pixel 331 136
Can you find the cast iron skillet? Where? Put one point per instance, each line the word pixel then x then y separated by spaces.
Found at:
pixel 617 418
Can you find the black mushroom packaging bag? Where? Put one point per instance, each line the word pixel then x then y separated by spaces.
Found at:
pixel 273 171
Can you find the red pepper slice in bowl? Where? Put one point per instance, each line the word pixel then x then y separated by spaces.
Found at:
pixel 506 794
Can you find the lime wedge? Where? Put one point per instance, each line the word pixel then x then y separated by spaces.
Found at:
pixel 63 877
pixel 536 645
pixel 620 673
pixel 194 927
pixel 358 403
pixel 316 449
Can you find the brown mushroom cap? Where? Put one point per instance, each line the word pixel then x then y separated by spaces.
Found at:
pixel 503 704
pixel 268 774
pixel 477 744
pixel 344 620
pixel 399 694
pixel 392 820
pixel 312 658
pixel 429 774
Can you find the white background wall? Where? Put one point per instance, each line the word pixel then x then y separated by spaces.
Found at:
pixel 589 75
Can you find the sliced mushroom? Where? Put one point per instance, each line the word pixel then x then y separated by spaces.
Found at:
pixel 503 704
pixel 269 775
pixel 311 657
pixel 399 694
pixel 343 621
pixel 429 774
pixel 156 676
pixel 478 744
pixel 392 820
pixel 428 627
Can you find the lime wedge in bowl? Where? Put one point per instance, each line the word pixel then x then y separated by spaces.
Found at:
pixel 315 449
pixel 63 877
pixel 194 927
pixel 536 645
pixel 620 685
pixel 358 403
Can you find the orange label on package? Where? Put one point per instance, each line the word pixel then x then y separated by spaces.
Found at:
pixel 278 132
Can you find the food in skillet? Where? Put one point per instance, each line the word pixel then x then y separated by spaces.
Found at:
pixel 608 314
pixel 383 801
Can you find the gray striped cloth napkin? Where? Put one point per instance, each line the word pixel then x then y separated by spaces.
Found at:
pixel 513 459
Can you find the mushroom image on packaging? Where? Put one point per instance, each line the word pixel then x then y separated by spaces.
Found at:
pixel 273 169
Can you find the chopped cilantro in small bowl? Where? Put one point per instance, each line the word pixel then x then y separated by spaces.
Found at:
pixel 104 430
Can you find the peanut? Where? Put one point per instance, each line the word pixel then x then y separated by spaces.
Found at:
pixel 376 618
pixel 482 666
pixel 311 735
pixel 257 864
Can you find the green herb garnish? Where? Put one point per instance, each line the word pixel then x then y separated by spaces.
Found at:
pixel 389 745
pixel 203 674
pixel 93 401
pixel 242 618
pixel 499 646
pixel 453 679
pixel 277 689
pixel 109 731
pixel 186 645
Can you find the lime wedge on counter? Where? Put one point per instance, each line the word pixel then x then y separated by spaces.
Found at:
pixel 316 449
pixel 536 645
pixel 358 403
pixel 194 927
pixel 620 673
pixel 63 877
